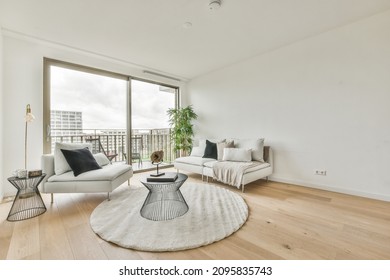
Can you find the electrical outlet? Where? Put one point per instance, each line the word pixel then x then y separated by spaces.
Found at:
pixel 320 172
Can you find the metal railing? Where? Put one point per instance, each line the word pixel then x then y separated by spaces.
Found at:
pixel 143 141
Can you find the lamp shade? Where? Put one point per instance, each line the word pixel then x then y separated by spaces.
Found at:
pixel 29 117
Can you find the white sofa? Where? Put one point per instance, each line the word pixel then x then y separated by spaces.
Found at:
pixel 106 179
pixel 197 164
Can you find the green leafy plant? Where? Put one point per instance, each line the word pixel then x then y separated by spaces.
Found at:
pixel 180 120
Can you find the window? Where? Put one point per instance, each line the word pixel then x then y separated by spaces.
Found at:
pixel 127 115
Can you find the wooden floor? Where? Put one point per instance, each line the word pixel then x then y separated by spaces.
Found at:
pixel 285 222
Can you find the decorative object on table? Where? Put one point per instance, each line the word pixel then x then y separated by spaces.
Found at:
pixel 214 214
pixel 29 117
pixel 157 158
pixel 181 128
pixel 28 202
pixel 167 177
pixel 20 173
pixel 34 173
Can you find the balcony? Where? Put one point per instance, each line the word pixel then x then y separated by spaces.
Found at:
pixel 143 143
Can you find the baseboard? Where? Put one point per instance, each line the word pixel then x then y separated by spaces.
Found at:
pixel 331 188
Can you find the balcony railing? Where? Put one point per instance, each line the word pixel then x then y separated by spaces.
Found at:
pixel 143 141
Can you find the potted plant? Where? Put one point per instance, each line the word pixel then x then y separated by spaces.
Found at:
pixel 181 128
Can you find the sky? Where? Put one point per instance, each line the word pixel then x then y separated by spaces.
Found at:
pixel 102 100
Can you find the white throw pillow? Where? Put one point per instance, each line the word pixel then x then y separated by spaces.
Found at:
pixel 101 159
pixel 237 154
pixel 197 152
pixel 221 146
pixel 256 145
pixel 60 164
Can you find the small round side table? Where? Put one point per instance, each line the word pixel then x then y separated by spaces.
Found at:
pixel 164 200
pixel 28 202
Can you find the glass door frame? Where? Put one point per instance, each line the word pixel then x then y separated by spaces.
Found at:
pixel 177 104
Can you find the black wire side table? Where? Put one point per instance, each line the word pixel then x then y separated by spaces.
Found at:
pixel 28 202
pixel 164 200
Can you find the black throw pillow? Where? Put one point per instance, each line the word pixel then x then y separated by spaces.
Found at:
pixel 80 160
pixel 211 150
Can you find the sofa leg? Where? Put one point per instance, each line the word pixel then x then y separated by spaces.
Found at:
pixel 52 198
pixel 243 188
pixel 108 196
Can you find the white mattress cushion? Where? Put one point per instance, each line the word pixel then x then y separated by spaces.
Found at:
pixel 107 173
pixel 210 164
pixel 194 160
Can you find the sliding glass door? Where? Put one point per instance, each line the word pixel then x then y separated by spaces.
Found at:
pixel 150 127
pixel 126 116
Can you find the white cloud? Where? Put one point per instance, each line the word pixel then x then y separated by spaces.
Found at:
pixel 102 100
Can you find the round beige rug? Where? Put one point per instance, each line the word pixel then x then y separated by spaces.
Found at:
pixel 214 213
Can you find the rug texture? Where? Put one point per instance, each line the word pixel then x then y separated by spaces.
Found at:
pixel 214 213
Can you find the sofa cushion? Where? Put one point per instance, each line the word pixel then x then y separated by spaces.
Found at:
pixel 210 164
pixel 101 159
pixel 211 150
pixel 80 160
pixel 200 161
pixel 237 154
pixel 201 143
pixel 221 146
pixel 256 145
pixel 107 173
pixel 60 163
pixel 197 152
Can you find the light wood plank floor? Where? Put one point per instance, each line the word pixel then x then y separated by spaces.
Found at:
pixel 285 222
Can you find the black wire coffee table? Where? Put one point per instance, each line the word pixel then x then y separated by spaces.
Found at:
pixel 164 200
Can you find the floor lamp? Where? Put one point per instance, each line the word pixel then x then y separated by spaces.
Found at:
pixel 28 118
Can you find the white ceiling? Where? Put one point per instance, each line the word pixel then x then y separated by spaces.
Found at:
pixel 149 33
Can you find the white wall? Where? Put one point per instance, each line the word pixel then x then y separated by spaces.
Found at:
pixel 1 115
pixel 322 103
pixel 23 84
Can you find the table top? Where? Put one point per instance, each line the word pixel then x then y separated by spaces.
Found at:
pixel 14 178
pixel 180 177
